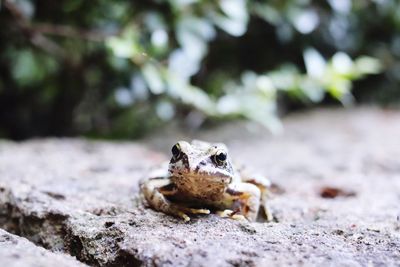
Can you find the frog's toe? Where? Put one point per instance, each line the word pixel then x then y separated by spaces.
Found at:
pixel 183 216
pixel 226 213
pixel 199 211
pixel 231 214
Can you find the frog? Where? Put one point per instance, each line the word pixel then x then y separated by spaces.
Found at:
pixel 200 178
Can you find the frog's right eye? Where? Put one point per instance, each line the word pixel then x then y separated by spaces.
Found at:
pixel 220 158
pixel 176 150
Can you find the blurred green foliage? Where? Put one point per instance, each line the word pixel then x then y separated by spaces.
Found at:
pixel 122 68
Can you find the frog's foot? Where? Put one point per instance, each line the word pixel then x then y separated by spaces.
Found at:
pixel 246 197
pixel 231 214
pixel 183 211
pixel 155 192
pixel 263 185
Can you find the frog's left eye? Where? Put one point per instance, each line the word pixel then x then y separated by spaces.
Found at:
pixel 220 157
pixel 176 150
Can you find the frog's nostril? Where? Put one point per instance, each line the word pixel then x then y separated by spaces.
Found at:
pixel 202 163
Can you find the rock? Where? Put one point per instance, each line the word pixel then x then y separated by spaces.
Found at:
pixel 81 197
pixel 16 251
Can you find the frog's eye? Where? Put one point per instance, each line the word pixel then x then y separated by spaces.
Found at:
pixel 220 157
pixel 176 150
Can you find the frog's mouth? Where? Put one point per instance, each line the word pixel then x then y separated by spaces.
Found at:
pixel 214 177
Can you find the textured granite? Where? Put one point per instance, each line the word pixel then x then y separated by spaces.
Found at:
pixel 336 197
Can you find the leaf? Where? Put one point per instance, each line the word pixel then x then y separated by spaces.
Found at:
pixel 29 68
pixel 268 13
pixel 189 94
pixel 315 63
pixel 368 65
pixel 197 26
pixel 236 19
pixel 126 45
pixel 153 79
pixel 183 65
pixel 342 64
pixel 305 21
pixel 193 45
pixel 235 9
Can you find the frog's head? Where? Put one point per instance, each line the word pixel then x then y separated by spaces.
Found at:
pixel 200 163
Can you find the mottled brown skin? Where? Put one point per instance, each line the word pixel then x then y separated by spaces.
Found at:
pixel 201 177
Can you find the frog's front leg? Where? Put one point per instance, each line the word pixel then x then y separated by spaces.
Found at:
pixel 242 198
pixel 156 190
pixel 263 184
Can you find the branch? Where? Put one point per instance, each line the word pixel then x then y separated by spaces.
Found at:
pixel 67 31
pixel 37 32
pixel 36 38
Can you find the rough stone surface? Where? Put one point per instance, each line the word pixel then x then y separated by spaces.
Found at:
pixel 81 197
pixel 16 251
